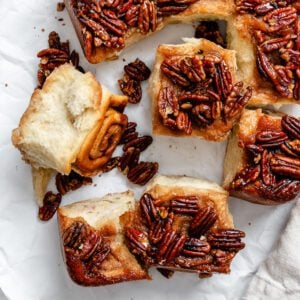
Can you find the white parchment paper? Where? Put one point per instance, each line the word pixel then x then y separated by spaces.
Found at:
pixel 31 265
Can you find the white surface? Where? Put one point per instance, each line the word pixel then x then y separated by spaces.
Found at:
pixel 31 265
pixel 279 276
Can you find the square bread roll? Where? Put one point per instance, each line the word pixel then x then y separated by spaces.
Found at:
pixel 262 162
pixel 183 224
pixel 93 243
pixel 104 31
pixel 194 90
pixel 67 121
pixel 267 50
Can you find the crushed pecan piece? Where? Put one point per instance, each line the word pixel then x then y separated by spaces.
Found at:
pixel 51 203
pixel 71 182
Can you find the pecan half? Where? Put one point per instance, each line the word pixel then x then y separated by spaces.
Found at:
pixel 291 126
pixel 223 79
pixel 280 18
pixel 267 176
pixel 185 205
pixel 291 148
pixel 226 239
pixel 236 102
pixel 202 115
pixel 172 7
pixel 131 88
pixel 147 19
pixel 167 103
pixel 170 246
pixel 193 263
pixel 284 165
pixel 284 190
pixel 222 258
pixel 71 182
pixel 196 248
pixel 142 172
pixel 184 123
pixel 157 231
pixel 129 133
pixel 141 143
pixel 270 139
pixel 171 68
pixel 202 222
pixel 148 209
pixel 137 240
pixel 51 203
pixel 137 70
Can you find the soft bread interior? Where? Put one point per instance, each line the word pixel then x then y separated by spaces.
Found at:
pixel 59 117
pixel 100 211
pixel 104 214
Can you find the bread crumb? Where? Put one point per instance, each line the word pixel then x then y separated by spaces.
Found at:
pixel 6 85
pixel 249 223
pixel 43 29
pixel 95 184
pixel 60 19
pixel 60 6
pixel 63 24
pixel 124 59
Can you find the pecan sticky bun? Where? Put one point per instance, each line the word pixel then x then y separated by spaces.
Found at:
pixel 93 243
pixel 195 91
pixel 275 29
pixel 184 231
pixel 271 167
pixel 106 24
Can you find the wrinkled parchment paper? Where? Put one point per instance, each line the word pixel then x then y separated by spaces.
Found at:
pixel 31 265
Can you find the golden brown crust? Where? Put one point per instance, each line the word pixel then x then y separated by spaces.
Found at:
pixel 204 9
pixel 88 164
pixel 111 262
pixel 218 130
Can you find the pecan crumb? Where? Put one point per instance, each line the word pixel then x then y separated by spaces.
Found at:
pixel 60 6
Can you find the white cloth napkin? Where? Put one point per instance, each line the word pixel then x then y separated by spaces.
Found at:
pixel 279 276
